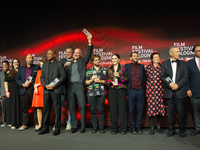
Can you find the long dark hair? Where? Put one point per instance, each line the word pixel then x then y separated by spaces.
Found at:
pixel 13 72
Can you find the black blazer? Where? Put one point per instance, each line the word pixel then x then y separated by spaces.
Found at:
pixel 142 75
pixel 58 72
pixel 21 77
pixel 193 83
pixel 181 79
pixel 82 63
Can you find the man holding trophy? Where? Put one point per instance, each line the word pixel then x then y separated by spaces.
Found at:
pixel 174 77
pixel 53 77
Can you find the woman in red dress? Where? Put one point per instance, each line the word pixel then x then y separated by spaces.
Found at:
pixel 154 92
pixel 38 96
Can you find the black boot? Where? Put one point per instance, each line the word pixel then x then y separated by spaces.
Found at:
pixel 151 130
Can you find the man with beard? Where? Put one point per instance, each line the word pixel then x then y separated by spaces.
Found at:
pixel 25 78
pixel 5 64
pixel 96 79
pixel 53 77
pixel 76 78
pixel 135 91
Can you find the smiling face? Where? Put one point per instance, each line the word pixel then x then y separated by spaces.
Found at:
pixel 51 55
pixel 69 53
pixel 134 58
pixel 29 59
pixel 77 53
pixel 15 64
pixel 96 61
pixel 115 60
pixel 156 58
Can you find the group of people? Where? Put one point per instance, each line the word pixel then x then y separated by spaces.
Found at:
pixel 53 81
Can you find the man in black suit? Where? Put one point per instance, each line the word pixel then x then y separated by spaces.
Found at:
pixel 76 78
pixel 53 77
pixel 193 88
pixel 174 77
pixel 25 78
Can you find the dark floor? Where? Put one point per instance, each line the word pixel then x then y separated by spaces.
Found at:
pixel 29 139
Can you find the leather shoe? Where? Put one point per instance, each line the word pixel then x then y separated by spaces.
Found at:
pixel 82 130
pixel 56 132
pixel 170 134
pixel 195 132
pixel 123 132
pixel 102 130
pixel 114 132
pixel 133 130
pixel 182 134
pixel 43 132
pixel 94 130
pixel 73 130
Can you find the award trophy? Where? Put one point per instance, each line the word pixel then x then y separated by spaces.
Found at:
pixel 56 80
pixel 169 79
pixel 115 78
pixel 87 33
pixel 29 79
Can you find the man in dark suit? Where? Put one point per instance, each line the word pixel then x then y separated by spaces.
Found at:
pixel 5 64
pixel 174 77
pixel 193 88
pixel 25 78
pixel 53 77
pixel 76 78
pixel 135 91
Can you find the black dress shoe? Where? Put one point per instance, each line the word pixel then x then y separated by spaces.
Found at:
pixel 94 130
pixel 170 134
pixel 56 132
pixel 139 130
pixel 159 130
pixel 133 130
pixel 102 130
pixel 182 134
pixel 73 130
pixel 114 132
pixel 38 129
pixel 82 130
pixel 195 132
pixel 123 132
pixel 43 132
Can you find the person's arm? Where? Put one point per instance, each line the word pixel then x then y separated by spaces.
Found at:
pixel 89 52
pixel 18 78
pixel 184 78
pixel 62 77
pixel 163 75
pixel 123 76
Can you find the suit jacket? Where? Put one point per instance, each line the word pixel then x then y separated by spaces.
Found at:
pixel 21 77
pixel 142 75
pixel 58 72
pixel 82 63
pixel 180 79
pixel 2 78
pixel 193 83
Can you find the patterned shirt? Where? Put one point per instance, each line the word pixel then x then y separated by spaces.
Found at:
pixel 96 89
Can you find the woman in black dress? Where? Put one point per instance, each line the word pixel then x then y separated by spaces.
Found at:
pixel 154 92
pixel 13 103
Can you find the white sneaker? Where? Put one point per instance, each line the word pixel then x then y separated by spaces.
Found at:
pixel 22 128
pixel 4 124
pixel 68 127
pixel 54 127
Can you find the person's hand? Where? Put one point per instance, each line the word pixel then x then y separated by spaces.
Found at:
pixel 97 80
pixel 28 84
pixel 89 37
pixel 36 85
pixel 23 85
pixel 189 93
pixel 7 94
pixel 0 96
pixel 49 87
pixel 113 83
pixel 67 64
pixel 52 87
pixel 176 86
pixel 36 91
pixel 93 77
pixel 172 86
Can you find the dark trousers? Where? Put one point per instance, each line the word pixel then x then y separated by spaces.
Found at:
pixel 77 89
pixel 26 99
pixel 136 98
pixel 48 98
pixel 196 109
pixel 113 96
pixel 180 106
pixel 3 105
pixel 95 101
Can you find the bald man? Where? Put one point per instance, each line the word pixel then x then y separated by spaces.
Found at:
pixel 53 89
pixel 25 78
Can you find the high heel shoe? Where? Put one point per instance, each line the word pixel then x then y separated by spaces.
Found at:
pixel 38 129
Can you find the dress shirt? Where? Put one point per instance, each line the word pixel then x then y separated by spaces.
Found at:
pixel 174 67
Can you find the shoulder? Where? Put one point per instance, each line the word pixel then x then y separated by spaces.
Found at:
pixel 190 61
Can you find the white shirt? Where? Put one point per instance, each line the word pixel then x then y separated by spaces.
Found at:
pixel 174 67
pixel 197 62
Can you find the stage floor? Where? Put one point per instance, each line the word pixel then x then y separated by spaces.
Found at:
pixel 30 140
